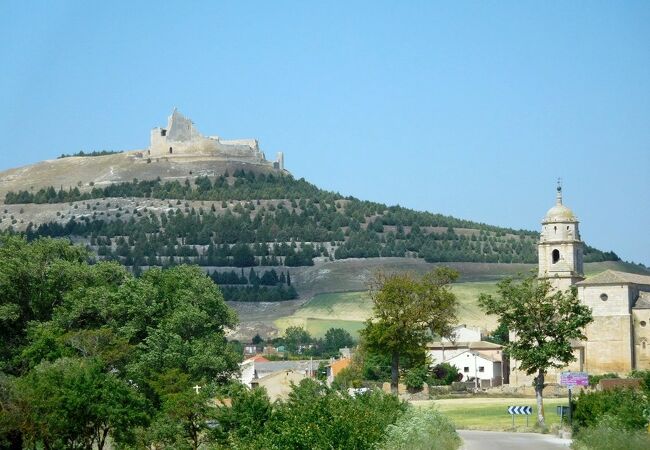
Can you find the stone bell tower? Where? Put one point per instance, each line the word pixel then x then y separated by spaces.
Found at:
pixel 560 248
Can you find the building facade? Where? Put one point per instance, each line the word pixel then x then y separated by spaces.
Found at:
pixel 617 339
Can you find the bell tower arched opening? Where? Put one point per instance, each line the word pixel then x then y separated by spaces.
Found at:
pixel 555 256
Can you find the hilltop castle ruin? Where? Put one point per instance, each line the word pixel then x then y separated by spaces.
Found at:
pixel 182 139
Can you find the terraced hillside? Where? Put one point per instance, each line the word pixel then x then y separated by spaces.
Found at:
pixel 259 232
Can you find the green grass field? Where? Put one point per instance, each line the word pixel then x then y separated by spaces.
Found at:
pixel 491 413
pixel 348 310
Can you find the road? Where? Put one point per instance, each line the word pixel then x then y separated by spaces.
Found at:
pixel 487 440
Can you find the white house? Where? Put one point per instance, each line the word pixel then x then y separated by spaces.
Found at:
pixel 463 333
pixel 474 360
pixel 478 366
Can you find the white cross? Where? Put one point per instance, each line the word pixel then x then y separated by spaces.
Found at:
pixel 196 388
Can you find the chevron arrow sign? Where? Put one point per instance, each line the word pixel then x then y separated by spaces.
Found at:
pixel 528 410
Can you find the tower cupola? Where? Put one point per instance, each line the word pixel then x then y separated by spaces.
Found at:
pixel 560 248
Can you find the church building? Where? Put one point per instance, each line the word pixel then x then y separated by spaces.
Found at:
pixel 617 339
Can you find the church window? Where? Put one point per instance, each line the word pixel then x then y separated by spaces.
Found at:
pixel 555 255
pixel 603 297
pixel 170 150
pixel 642 323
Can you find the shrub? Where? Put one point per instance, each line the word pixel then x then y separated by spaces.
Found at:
pixel 316 417
pixel 608 435
pixel 595 379
pixel 416 377
pixel 421 429
pixel 626 405
pixel 445 374
pixel 644 376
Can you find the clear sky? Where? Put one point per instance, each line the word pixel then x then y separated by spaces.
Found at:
pixel 471 109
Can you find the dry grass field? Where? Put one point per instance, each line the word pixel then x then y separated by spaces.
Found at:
pixel 348 310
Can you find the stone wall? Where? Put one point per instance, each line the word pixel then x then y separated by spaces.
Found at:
pixel 641 324
pixel 609 337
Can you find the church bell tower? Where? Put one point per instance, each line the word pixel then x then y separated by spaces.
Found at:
pixel 560 248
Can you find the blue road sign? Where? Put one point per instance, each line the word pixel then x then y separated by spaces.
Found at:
pixel 528 410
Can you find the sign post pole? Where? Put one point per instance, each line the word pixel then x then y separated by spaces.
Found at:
pixel 571 380
pixel 570 420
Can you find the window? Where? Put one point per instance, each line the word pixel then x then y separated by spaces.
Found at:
pixel 603 297
pixel 555 255
pixel 170 150
pixel 466 369
pixel 481 369
pixel 642 323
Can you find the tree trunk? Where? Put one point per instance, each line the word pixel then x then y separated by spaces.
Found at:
pixel 539 389
pixel 394 373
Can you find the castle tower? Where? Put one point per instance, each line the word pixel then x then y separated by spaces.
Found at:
pixel 560 248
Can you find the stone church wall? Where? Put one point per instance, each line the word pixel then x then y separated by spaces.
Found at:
pixel 641 324
pixel 609 336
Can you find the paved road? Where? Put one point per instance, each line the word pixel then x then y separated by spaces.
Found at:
pixel 486 440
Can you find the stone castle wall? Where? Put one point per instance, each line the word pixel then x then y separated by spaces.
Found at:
pixel 182 139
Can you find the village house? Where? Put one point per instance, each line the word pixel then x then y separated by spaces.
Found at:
pixel 480 360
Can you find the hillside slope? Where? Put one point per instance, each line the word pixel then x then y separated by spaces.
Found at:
pixel 295 240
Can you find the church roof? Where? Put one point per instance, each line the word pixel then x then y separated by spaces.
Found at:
pixel 615 277
pixel 643 302
pixel 559 212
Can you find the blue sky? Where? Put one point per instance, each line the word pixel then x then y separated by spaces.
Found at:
pixel 471 109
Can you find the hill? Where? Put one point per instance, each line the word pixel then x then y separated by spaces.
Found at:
pixel 254 228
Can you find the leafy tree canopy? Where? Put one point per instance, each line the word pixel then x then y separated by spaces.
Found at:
pixel 544 321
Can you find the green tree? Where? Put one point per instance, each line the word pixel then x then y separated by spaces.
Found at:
pixel 544 321
pixel 335 339
pixel 185 412
pixel 72 403
pixel 294 337
pixel 407 311
pixel 316 417
pixel 245 417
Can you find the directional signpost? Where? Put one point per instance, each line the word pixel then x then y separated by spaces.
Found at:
pixel 571 380
pixel 514 410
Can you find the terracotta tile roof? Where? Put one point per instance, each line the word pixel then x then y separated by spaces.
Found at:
pixel 339 365
pixel 615 277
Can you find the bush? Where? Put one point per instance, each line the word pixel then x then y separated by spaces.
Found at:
pixel 595 379
pixel 316 417
pixel 608 435
pixel 445 374
pixel 421 429
pixel 626 405
pixel 644 376
pixel 416 377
